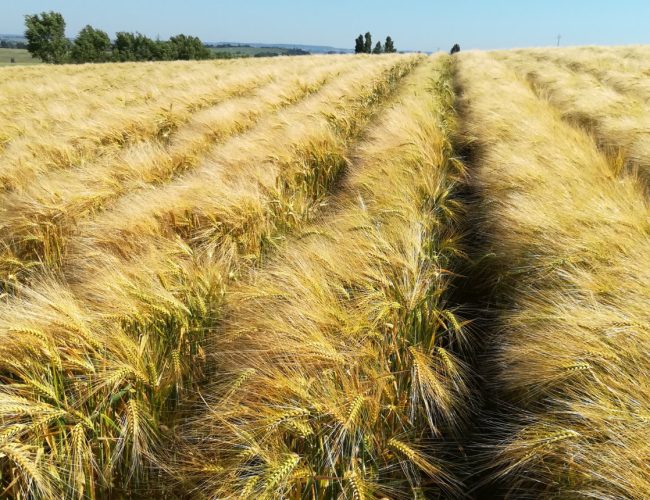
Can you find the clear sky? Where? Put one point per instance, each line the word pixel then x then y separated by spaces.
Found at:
pixel 413 24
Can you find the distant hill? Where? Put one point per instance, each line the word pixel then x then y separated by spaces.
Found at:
pixel 13 38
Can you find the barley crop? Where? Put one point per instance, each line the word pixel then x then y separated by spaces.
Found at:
pixel 619 120
pixel 327 277
pixel 570 251
pixel 352 355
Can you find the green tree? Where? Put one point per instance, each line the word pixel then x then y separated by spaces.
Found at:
pixel 123 49
pixel 389 46
pixel 367 44
pixel 189 47
pixel 378 49
pixel 164 51
pixel 91 45
pixel 455 49
pixel 46 39
pixel 358 45
pixel 135 47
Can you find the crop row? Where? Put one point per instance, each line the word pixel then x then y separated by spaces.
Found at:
pixel 568 247
pixel 93 370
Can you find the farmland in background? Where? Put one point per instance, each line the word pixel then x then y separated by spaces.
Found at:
pixel 249 51
pixel 21 56
pixel 339 276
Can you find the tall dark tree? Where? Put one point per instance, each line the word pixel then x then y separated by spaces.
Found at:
pixel 358 45
pixel 389 46
pixel 367 44
pixel 455 49
pixel 46 39
pixel 91 45
pixel 378 49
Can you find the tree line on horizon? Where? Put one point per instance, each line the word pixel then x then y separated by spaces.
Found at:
pixel 363 45
pixel 46 39
pixel 11 44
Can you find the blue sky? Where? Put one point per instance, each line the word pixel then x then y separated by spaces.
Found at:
pixel 414 25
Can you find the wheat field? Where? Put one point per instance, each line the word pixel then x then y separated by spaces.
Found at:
pixel 396 276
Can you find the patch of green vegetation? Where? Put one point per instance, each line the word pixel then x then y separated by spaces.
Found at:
pixel 20 56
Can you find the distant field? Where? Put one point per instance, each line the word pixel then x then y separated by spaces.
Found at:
pixel 333 277
pixel 22 57
pixel 250 51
